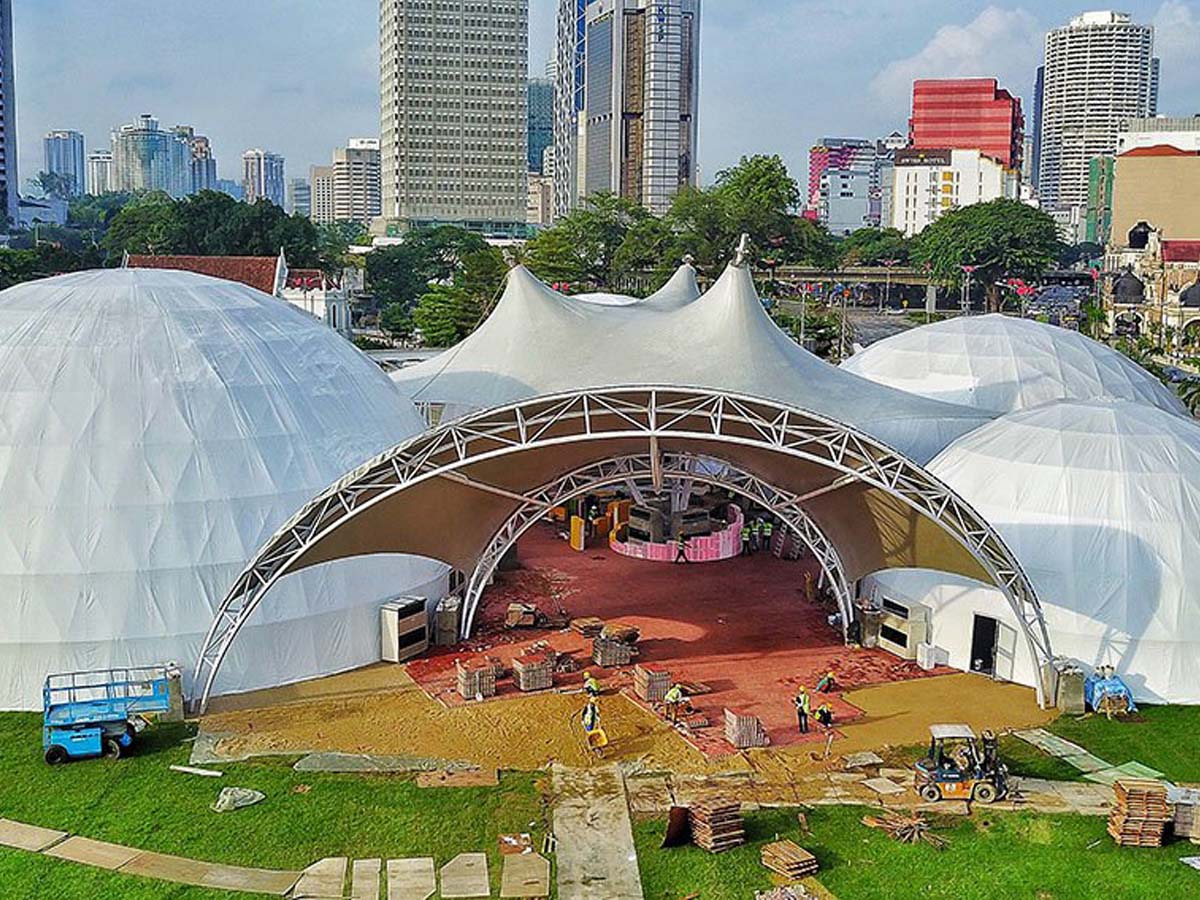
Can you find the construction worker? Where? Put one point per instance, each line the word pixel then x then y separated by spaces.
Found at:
pixel 591 686
pixel 825 715
pixel 827 684
pixel 745 538
pixel 675 698
pixel 681 543
pixel 768 529
pixel 803 707
pixel 756 535
pixel 596 738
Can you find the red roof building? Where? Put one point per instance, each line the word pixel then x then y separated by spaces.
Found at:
pixel 1181 251
pixel 967 114
pixel 263 273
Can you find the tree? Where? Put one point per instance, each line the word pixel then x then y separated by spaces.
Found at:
pixel 1002 238
pixel 396 320
pixel 54 184
pixel 149 224
pixel 395 275
pixel 481 281
pixel 871 246
pixel 442 315
pixel 441 249
pixel 553 257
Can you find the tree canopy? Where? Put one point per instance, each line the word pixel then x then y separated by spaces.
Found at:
pixel 873 246
pixel 1001 238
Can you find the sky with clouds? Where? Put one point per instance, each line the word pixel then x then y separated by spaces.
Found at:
pixel 301 76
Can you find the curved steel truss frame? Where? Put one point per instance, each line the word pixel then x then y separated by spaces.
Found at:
pixel 648 413
pixel 674 467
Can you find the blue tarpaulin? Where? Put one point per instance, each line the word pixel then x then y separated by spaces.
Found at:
pixel 1096 688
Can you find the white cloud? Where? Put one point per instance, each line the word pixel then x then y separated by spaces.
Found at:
pixel 1004 43
pixel 1176 41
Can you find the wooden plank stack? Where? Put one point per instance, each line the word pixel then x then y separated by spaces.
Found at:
pixel 476 679
pixel 789 859
pixel 588 626
pixel 717 825
pixel 535 671
pixel 651 682
pixel 742 730
pixel 610 654
pixel 1141 813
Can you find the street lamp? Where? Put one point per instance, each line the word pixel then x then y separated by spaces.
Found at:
pixel 888 288
pixel 966 294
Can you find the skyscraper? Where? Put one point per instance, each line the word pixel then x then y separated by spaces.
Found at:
pixel 99 172
pixel 541 121
pixel 299 198
pixel 1035 163
pixel 262 176
pixel 967 114
pixel 453 127
pixel 147 158
pixel 570 60
pixel 63 156
pixel 1099 71
pixel 638 126
pixel 320 181
pixel 356 181
pixel 202 168
pixel 9 182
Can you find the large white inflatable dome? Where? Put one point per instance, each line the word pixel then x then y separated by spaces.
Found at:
pixel 1001 364
pixel 1100 502
pixel 155 428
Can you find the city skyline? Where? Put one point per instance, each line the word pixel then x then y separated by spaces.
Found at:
pixel 250 87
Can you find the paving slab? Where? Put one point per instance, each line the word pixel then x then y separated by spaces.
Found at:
pixel 858 760
pixel 648 795
pixel 411 879
pixel 1086 762
pixel 466 876
pixel 211 875
pixel 884 786
pixel 325 878
pixel 20 836
pixel 525 875
pixel 1049 742
pixel 100 854
pixel 596 858
pixel 847 777
pixel 1128 770
pixel 365 878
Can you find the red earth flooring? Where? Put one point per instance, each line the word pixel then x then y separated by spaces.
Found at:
pixel 742 626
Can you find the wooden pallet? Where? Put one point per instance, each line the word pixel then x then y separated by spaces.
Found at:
pixel 1141 813
pixel 789 859
pixel 717 825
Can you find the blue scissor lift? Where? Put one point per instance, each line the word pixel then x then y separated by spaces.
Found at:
pixel 89 714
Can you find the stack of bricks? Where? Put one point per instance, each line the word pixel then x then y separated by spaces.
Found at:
pixel 610 654
pixel 651 682
pixel 535 671
pixel 743 730
pixel 475 680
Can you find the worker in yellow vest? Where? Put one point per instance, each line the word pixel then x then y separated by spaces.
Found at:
pixel 745 538
pixel 768 530
pixel 591 686
pixel 803 708
pixel 675 698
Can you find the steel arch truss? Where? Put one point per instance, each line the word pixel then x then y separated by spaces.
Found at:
pixel 645 413
pixel 674 467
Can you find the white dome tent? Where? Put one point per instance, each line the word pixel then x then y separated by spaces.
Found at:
pixel 1100 502
pixel 155 428
pixel 1000 364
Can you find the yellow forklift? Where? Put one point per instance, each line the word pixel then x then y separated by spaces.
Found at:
pixel 961 766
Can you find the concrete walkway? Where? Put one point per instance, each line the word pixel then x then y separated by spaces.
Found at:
pixel 595 853
pixel 1091 766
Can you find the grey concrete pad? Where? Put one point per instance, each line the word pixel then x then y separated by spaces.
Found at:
pixel 365 879
pixel 596 858
pixel 1050 743
pixel 20 836
pixel 884 786
pixel 211 875
pixel 325 878
pixel 866 758
pixel 363 762
pixel 100 854
pixel 411 879
pixel 648 795
pixel 1085 762
pixel 1035 785
pixel 847 776
pixel 466 876
pixel 897 774
pixel 525 875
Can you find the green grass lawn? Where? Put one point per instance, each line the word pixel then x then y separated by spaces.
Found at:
pixel 138 801
pixel 1166 738
pixel 1005 855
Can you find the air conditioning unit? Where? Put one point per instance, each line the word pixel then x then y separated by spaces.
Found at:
pixel 404 624
pixel 903 624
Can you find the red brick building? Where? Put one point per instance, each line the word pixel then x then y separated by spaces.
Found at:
pixel 967 114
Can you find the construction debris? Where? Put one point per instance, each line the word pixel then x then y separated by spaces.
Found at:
pixel 789 859
pixel 232 798
pixel 190 770
pixel 907 828
pixel 521 615
pixel 1141 813
pixel 476 681
pixel 717 825
pixel 651 682
pixel 743 730
pixel 860 760
pixel 621 631
pixel 785 892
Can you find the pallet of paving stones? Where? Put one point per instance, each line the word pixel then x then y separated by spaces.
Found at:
pixel 789 859
pixel 621 631
pixel 717 825
pixel 475 679
pixel 611 654
pixel 651 682
pixel 588 626
pixel 1187 821
pixel 743 731
pixel 1141 813
pixel 535 671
